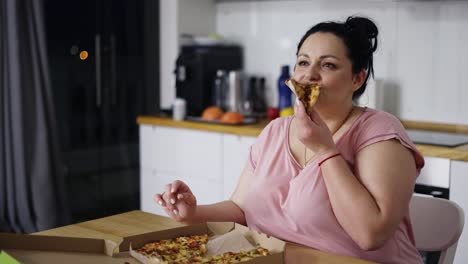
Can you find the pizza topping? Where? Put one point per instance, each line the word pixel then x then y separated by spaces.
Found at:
pixel 192 249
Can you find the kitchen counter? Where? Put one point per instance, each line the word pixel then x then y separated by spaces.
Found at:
pixel 137 222
pixel 457 153
pixel 243 130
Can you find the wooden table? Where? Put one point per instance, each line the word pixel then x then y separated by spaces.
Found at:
pixel 137 222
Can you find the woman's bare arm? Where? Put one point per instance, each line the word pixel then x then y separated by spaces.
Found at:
pixel 230 210
pixel 371 203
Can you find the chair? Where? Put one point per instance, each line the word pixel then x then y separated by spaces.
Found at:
pixel 437 225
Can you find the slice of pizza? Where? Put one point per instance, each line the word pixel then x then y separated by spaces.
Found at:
pixel 176 250
pixel 307 94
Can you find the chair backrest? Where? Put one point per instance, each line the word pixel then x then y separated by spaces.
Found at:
pixel 437 225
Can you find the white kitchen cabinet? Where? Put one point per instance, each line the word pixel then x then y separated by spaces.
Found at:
pixel 149 148
pixel 191 153
pixel 149 186
pixel 458 194
pixel 192 156
pixel 235 155
pixel 206 191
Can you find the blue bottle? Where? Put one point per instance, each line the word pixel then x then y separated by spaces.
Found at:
pixel 284 93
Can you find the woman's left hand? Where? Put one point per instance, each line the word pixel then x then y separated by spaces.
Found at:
pixel 313 132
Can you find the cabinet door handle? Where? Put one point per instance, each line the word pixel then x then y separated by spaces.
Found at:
pixel 97 48
pixel 113 69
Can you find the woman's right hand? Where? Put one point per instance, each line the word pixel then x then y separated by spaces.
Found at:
pixel 178 201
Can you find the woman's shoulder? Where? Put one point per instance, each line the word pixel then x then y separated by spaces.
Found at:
pixel 377 126
pixel 281 121
pixel 374 124
pixel 274 130
pixel 371 114
pixel 378 119
pixel 271 137
pixel 277 125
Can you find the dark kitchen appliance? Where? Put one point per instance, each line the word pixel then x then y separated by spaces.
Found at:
pixel 196 69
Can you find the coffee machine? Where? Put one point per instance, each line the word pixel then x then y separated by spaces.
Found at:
pixel 195 72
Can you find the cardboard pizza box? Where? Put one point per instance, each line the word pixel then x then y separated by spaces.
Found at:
pixel 274 245
pixel 50 249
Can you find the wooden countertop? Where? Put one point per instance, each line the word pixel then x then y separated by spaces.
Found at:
pixel 440 127
pixel 244 130
pixel 137 222
pixel 459 153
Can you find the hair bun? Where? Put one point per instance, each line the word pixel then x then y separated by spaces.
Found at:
pixel 364 26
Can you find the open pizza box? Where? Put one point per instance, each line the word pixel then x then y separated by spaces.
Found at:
pixel 50 249
pixel 223 237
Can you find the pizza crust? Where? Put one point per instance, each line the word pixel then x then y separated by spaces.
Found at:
pixel 307 94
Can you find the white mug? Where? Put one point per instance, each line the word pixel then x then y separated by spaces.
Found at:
pixel 178 109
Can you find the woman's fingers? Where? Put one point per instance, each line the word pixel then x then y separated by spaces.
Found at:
pixel 176 200
pixel 165 202
pixel 159 199
pixel 181 191
pixel 179 187
pixel 168 197
pixel 301 114
pixel 317 119
pixel 299 110
pixel 189 199
pixel 162 200
pixel 173 213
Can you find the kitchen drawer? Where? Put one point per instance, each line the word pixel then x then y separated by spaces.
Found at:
pixel 191 153
pixel 235 156
pixel 148 146
pixel 149 186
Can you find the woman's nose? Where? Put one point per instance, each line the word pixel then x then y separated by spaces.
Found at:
pixel 312 74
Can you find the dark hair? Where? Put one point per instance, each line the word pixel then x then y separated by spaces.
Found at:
pixel 359 34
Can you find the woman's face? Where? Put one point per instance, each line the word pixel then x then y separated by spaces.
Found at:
pixel 323 59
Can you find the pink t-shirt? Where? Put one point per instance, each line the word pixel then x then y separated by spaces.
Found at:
pixel 293 204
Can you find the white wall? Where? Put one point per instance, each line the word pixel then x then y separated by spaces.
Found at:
pixel 168 49
pixel 422 55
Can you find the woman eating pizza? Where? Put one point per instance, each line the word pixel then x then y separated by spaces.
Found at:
pixel 335 177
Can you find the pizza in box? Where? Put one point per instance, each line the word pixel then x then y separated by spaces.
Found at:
pixel 190 250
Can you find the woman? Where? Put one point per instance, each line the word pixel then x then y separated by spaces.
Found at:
pixel 339 180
